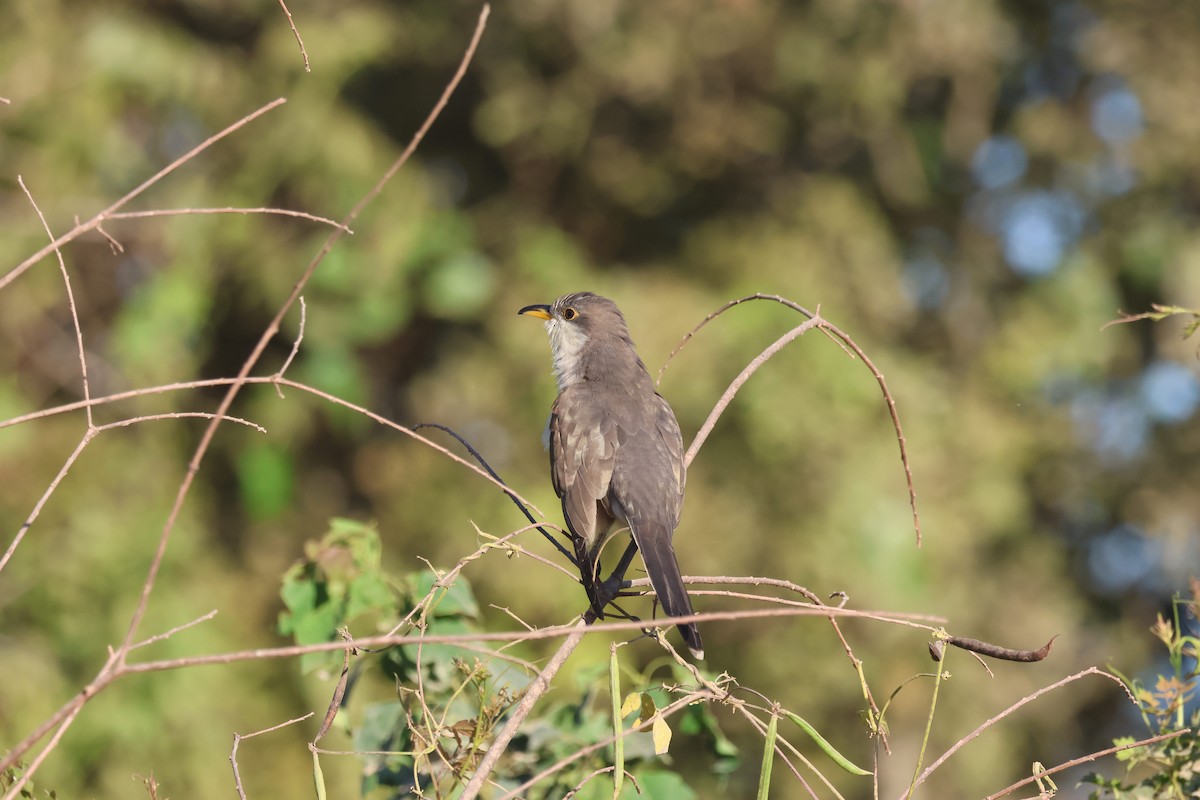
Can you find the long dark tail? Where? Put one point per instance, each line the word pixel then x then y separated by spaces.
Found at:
pixel 654 542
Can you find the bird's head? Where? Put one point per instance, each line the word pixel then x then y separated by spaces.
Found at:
pixel 575 321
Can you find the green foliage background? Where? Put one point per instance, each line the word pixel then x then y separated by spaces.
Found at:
pixel 671 155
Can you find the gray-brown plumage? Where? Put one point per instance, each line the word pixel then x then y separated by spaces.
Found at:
pixel 616 454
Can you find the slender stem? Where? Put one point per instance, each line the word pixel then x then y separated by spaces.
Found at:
pixel 532 694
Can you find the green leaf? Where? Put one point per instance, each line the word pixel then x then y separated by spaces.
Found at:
pixel 298 592
pixel 381 724
pixel 371 593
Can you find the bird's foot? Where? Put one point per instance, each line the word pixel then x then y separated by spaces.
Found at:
pixel 611 589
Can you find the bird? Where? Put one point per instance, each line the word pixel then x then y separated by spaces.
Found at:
pixel 616 452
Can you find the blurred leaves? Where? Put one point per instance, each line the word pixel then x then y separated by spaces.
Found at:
pixel 672 157
pixel 1169 768
pixel 450 701
pixel 339 580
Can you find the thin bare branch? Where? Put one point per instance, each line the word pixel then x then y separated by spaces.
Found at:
pixel 125 423
pixel 93 432
pixel 287 362
pixel 147 391
pixel 279 212
pixel 116 666
pixel 853 350
pixel 158 637
pixel 62 266
pixel 596 773
pixel 237 740
pixel 95 221
pixel 551 632
pixel 116 247
pixel 273 328
pixel 1083 760
pixel 296 33
pixel 583 752
pixel 511 495
pixel 533 693
pixel 740 381
pixel 409 432
pixel 275 379
pixel 41 503
pixel 61 720
pixel 1006 712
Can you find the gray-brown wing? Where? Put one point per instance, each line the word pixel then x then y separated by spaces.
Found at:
pixel 667 428
pixel 583 449
pixel 649 476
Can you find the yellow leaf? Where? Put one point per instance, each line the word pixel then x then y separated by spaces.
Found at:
pixel 662 736
pixel 633 702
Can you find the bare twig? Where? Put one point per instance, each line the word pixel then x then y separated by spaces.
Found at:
pixel 551 632
pixel 533 693
pixel 147 391
pixel 287 362
pixel 1006 712
pixel 113 245
pixel 237 740
pixel 1085 759
pixel 296 33
pixel 60 721
pixel 116 666
pixel 158 637
pixel 95 221
pixel 853 350
pixel 583 752
pixel 110 673
pixel 596 773
pixel 91 433
pixel 41 503
pixel 273 328
pixel 125 423
pixel 280 212
pixel 511 495
pixel 740 381
pixel 1159 313
pixel 275 379
pixel 62 266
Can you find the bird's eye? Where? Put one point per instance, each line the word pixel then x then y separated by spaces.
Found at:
pixel 569 313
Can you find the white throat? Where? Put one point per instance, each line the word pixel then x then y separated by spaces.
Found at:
pixel 566 346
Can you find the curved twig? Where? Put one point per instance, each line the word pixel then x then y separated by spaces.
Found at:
pixel 511 495
pixel 852 349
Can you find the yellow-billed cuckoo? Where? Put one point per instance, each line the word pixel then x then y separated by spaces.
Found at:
pixel 616 454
